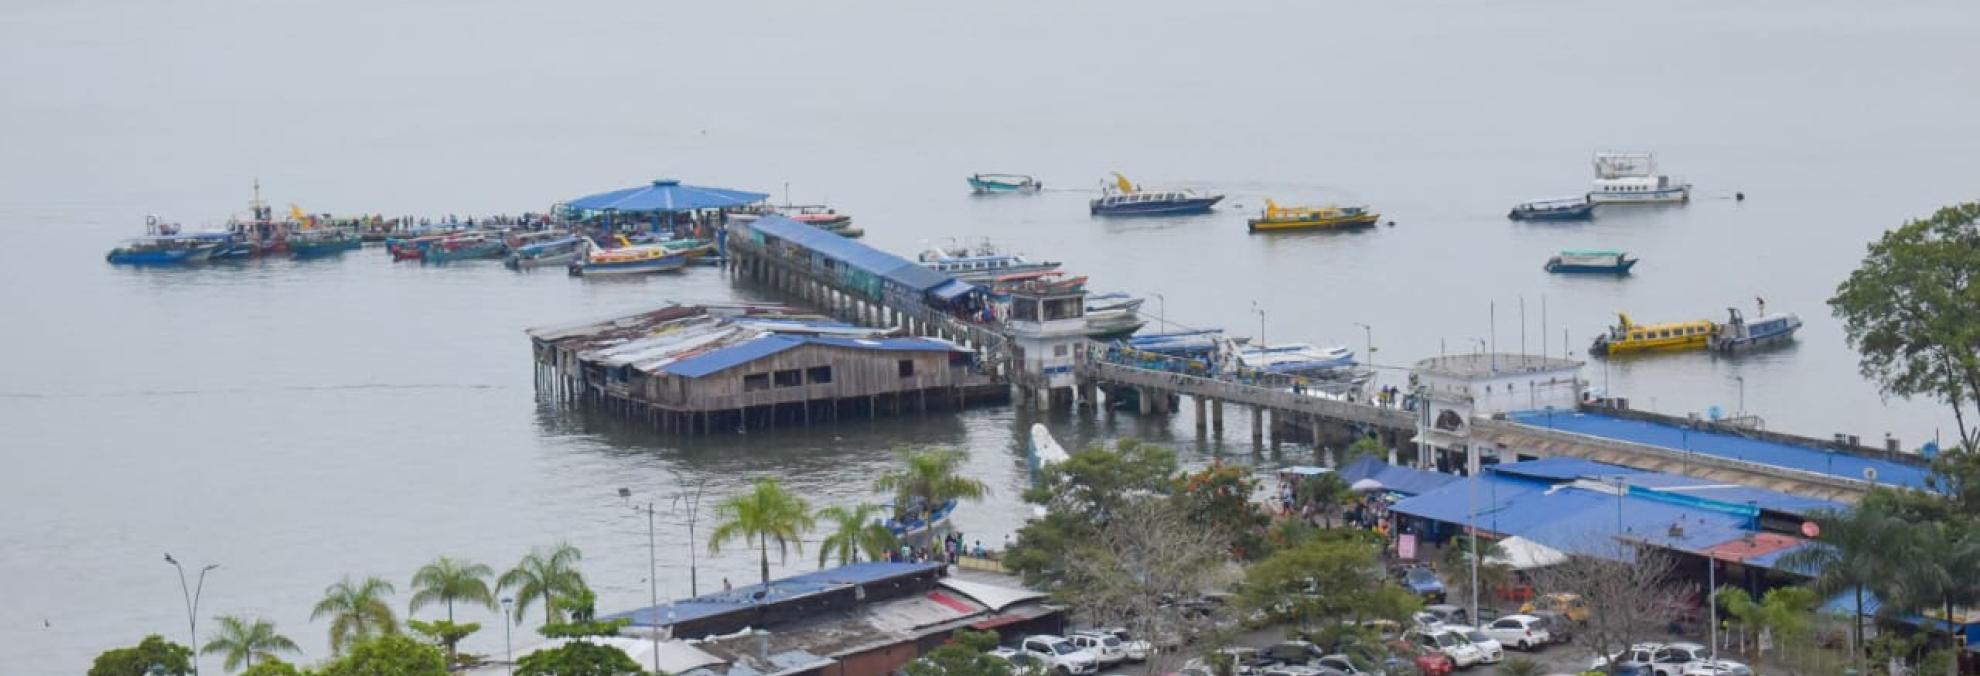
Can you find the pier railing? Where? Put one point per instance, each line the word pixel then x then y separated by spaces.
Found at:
pixel 1253 393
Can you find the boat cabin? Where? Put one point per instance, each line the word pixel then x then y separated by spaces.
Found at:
pixel 1144 198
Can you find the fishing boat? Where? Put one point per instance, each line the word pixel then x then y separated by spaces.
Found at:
pixel 1738 334
pixel 1576 208
pixel 692 249
pixel 1632 178
pixel 1601 261
pixel 985 184
pixel 412 248
pixel 320 242
pixel 1627 336
pixel 172 249
pixel 637 260
pixel 544 253
pixel 919 521
pixel 1328 217
pixel 1295 358
pixel 982 263
pixel 822 217
pixel 1124 198
pixel 463 248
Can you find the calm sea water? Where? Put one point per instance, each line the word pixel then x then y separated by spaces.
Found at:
pixel 296 422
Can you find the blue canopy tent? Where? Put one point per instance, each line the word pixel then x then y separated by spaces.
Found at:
pixel 663 197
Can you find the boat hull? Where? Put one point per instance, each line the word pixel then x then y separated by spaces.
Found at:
pixel 1577 213
pixel 514 262
pixel 320 250
pixel 988 187
pixel 1197 205
pixel 1674 344
pixel 1754 343
pixel 669 263
pixel 465 253
pixel 162 258
pixel 1351 223
pixel 1557 267
pixel 1678 195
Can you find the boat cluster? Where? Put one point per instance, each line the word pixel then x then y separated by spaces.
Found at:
pixel 1736 334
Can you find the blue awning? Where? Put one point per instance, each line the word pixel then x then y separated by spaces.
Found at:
pixel 954 289
pixel 667 195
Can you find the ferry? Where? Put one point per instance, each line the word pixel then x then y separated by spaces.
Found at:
pixel 1602 261
pixel 1627 336
pixel 1738 334
pixel 980 264
pixel 1327 217
pixel 1126 199
pixel 1632 178
pixel 988 184
pixel 1576 208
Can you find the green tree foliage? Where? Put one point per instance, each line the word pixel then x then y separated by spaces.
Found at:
pixel 1335 578
pixel 1219 498
pixel 446 634
pixel 1365 447
pixel 357 610
pixel 153 650
pixel 582 606
pixel 447 580
pixel 245 642
pixel 855 531
pixel 765 514
pixel 1910 311
pixel 578 658
pixel 1521 666
pixel 1856 559
pixel 388 655
pixel 957 660
pixel 929 478
pixel 1492 573
pixel 272 667
pixel 542 577
pixel 1079 495
pixel 1326 493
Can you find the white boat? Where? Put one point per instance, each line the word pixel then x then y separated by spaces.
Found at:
pixel 1295 358
pixel 979 264
pixel 1632 178
pixel 1739 334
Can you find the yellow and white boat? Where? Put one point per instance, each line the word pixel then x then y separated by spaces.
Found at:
pixel 1627 336
pixel 1328 217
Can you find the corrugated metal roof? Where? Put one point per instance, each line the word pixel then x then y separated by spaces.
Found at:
pixel 873 261
pixel 779 590
pixel 1404 480
pixel 1562 469
pixel 1808 459
pixel 732 356
pixel 1569 469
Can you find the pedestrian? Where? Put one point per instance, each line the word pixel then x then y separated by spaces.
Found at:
pixel 725 584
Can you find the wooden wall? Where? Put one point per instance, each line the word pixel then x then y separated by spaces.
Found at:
pixel 855 373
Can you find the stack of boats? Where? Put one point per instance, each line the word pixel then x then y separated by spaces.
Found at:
pixel 1737 334
pixel 1113 315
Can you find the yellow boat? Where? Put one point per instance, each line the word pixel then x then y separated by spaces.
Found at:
pixel 1330 217
pixel 1627 336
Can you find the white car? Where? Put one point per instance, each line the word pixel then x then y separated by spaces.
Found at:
pixel 1639 654
pixel 1137 651
pixel 1448 643
pixel 1679 659
pixel 1105 647
pixel 1524 632
pixel 1020 661
pixel 1060 654
pixel 1489 649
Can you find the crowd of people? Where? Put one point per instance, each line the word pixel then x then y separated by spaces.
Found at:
pixel 952 549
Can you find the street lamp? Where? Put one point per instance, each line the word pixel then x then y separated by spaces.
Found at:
pixel 1261 323
pixel 652 569
pixel 1161 311
pixel 192 603
pixel 1369 332
pixel 694 511
pixel 508 650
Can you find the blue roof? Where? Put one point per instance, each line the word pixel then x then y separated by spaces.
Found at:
pixel 666 195
pixel 1805 458
pixel 1561 469
pixel 779 590
pixel 874 261
pixel 715 361
pixel 953 289
pixel 1405 480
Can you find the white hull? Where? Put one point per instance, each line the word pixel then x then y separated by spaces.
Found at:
pixel 1671 196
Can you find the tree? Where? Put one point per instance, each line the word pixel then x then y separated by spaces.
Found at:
pixel 1333 579
pixel 357 610
pixel 388 655
pixel 578 658
pixel 1145 569
pixel 153 650
pixel 543 576
pixel 1631 592
pixel 1855 557
pixel 765 513
pixel 446 634
pixel 582 606
pixel 1364 447
pixel 964 655
pixel 1909 311
pixel 1492 572
pixel 244 641
pixel 855 530
pixel 1935 569
pixel 929 480
pixel 1080 494
pixel 447 580
pixel 1326 493
pixel 1219 498
pixel 272 667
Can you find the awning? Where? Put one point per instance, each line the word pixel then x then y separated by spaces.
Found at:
pixel 1524 554
pixel 953 289
pixel 666 195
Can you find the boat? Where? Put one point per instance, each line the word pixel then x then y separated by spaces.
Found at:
pixel 693 249
pixel 1204 344
pixel 172 249
pixel 1114 300
pixel 462 248
pixel 1328 217
pixel 982 263
pixel 412 248
pixel 1603 261
pixel 1113 324
pixel 1295 358
pixel 1627 336
pixel 985 184
pixel 1576 208
pixel 1738 334
pixel 637 260
pixel 906 526
pixel 1632 178
pixel 320 242
pixel 1126 199
pixel 544 253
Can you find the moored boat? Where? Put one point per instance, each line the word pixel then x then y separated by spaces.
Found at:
pixel 637 260
pixel 1327 217
pixel 1576 208
pixel 919 521
pixel 173 249
pixel 1738 334
pixel 544 253
pixel 1295 358
pixel 1632 178
pixel 466 247
pixel 320 242
pixel 1126 199
pixel 1601 261
pixel 1627 336
pixel 984 184
pixel 980 264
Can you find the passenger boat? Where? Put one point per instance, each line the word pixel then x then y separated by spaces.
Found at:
pixel 172 249
pixel 907 526
pixel 320 242
pixel 692 249
pixel 544 253
pixel 638 260
pixel 1632 178
pixel 1603 261
pixel 1627 336
pixel 1576 208
pixel 467 247
pixel 980 264
pixel 822 217
pixel 1295 358
pixel 1125 199
pixel 984 184
pixel 1737 334
pixel 1329 217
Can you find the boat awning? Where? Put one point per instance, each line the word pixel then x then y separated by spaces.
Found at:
pixel 952 290
pixel 667 195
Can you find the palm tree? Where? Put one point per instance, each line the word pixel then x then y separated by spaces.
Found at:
pixel 446 581
pixel 1936 571
pixel 764 513
pixel 357 610
pixel 244 641
pixel 544 575
pixel 1855 552
pixel 929 480
pixel 854 530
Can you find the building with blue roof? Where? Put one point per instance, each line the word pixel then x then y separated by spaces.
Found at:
pixel 1770 450
pixel 872 273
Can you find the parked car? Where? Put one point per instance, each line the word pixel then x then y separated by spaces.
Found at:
pixel 1524 632
pixel 1718 670
pixel 1678 659
pixel 1294 652
pixel 1137 651
pixel 1570 605
pixel 1427 662
pixel 1490 651
pixel 1448 614
pixel 1106 648
pixel 1348 664
pixel 1450 643
pixel 1423 582
pixel 1559 629
pixel 1021 661
pixel 1637 656
pixel 1061 654
pixel 1297 670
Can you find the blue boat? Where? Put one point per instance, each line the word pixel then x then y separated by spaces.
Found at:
pixel 192 249
pixel 905 528
pixel 1598 261
pixel 1126 199
pixel 1576 208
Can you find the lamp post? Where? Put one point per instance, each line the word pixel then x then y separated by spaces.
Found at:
pixel 1369 333
pixel 652 569
pixel 508 650
pixel 1161 311
pixel 694 511
pixel 192 595
pixel 1261 323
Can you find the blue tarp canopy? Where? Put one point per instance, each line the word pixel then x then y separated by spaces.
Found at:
pixel 667 195
pixel 1404 480
pixel 954 289
pixel 1778 454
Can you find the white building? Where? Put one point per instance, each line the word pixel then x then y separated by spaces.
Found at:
pixel 1458 388
pixel 1047 328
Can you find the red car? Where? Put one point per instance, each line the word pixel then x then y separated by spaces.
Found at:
pixel 1430 664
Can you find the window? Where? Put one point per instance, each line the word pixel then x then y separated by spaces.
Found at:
pixel 907 368
pixel 818 375
pixel 756 382
pixel 789 378
pixel 1059 350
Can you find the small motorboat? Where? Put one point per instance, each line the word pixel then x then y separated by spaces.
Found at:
pixel 1327 217
pixel 919 521
pixel 544 253
pixel 987 184
pixel 321 242
pixel 467 247
pixel 637 260
pixel 1598 261
pixel 1576 208
pixel 1295 358
pixel 171 249
pixel 1124 198
pixel 1738 334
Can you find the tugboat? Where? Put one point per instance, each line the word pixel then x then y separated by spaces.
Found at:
pixel 1124 198
pixel 1627 336
pixel 1632 178
pixel 1738 335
